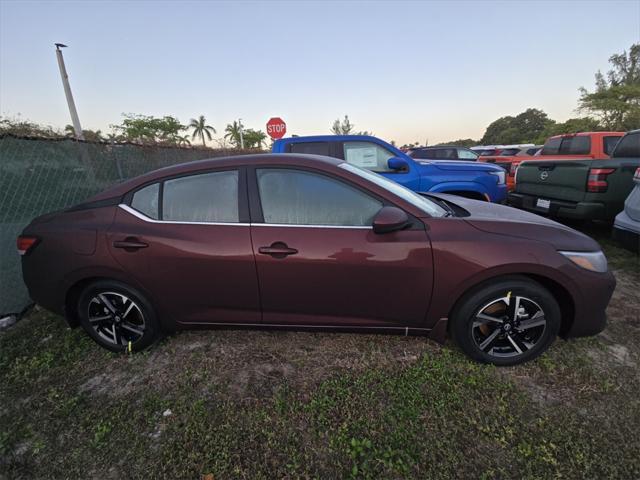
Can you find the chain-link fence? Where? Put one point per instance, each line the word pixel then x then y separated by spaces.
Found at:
pixel 43 175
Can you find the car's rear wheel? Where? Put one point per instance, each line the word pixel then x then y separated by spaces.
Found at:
pixel 507 322
pixel 117 316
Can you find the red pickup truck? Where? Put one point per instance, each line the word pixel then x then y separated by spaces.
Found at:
pixel 572 146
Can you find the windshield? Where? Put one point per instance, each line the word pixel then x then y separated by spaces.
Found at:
pixel 429 207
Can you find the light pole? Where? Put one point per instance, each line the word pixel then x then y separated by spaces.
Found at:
pixel 67 91
pixel 241 136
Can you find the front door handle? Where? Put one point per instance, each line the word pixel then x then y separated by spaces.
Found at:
pixel 130 244
pixel 278 250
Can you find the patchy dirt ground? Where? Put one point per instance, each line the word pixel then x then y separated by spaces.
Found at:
pixel 255 404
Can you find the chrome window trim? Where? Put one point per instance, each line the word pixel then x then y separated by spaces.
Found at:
pixel 143 217
pixel 296 225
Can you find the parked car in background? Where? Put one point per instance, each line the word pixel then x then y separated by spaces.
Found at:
pixel 485 150
pixel 588 189
pixel 443 152
pixel 572 146
pixel 463 178
pixel 307 242
pixel 510 154
pixel 626 226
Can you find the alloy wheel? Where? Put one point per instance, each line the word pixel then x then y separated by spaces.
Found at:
pixel 508 326
pixel 116 318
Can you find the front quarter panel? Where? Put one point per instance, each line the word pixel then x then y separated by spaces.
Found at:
pixel 465 257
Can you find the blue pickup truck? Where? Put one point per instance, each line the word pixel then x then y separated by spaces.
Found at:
pixel 481 181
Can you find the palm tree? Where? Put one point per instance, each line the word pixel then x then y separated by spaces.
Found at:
pixel 184 140
pixel 200 129
pixel 233 133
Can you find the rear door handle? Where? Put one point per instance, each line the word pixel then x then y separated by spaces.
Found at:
pixel 278 250
pixel 130 244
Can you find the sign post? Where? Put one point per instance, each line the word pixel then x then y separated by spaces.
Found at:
pixel 276 128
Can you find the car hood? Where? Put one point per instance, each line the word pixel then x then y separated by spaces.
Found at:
pixel 503 220
pixel 461 166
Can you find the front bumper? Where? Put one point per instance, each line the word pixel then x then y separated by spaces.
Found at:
pixel 560 208
pixel 590 316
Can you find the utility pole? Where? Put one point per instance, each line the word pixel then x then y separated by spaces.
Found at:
pixel 67 91
pixel 241 136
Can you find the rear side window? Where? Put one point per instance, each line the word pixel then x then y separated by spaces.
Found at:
pixel 367 155
pixel 315 148
pixel 465 154
pixel 207 197
pixel 628 146
pixel 145 200
pixel 578 145
pixel 609 144
pixel 295 197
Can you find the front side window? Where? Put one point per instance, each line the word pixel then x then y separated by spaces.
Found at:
pixel 145 200
pixel 367 155
pixel 296 197
pixel 207 197
pixel 628 146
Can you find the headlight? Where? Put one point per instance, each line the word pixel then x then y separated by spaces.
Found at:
pixel 501 176
pixel 594 261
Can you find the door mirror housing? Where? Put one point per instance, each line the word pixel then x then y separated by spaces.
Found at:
pixel 390 219
pixel 397 163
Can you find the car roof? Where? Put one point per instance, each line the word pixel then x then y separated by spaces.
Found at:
pixel 299 159
pixel 329 138
pixel 433 147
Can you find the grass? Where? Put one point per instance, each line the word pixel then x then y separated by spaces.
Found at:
pixel 252 404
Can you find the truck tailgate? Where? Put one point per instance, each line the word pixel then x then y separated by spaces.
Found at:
pixel 561 180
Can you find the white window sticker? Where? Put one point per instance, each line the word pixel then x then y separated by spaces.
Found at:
pixel 365 157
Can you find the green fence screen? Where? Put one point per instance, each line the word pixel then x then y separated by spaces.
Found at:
pixel 41 175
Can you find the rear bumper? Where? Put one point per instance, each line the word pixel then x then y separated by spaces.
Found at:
pixel 627 232
pixel 560 208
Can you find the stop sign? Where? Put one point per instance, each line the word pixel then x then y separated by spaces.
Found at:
pixel 276 128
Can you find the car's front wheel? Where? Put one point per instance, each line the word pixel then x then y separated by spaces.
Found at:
pixel 117 316
pixel 507 322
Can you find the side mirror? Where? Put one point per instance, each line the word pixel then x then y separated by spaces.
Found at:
pixel 397 163
pixel 390 219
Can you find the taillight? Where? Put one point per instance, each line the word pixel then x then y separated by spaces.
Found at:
pixel 597 182
pixel 636 176
pixel 25 244
pixel 513 169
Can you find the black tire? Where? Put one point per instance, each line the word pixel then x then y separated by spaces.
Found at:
pixel 127 325
pixel 509 338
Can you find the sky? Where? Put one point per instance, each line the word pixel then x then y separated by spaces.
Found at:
pixel 407 71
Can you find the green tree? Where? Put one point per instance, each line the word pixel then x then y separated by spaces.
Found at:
pixel 148 129
pixel 201 129
pixel 183 141
pixel 523 128
pixel 573 125
pixel 344 127
pixel 254 138
pixel 232 133
pixel 463 142
pixel 616 99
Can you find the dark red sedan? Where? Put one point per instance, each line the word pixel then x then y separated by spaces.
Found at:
pixel 304 241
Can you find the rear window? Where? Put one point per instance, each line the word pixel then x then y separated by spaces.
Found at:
pixel 508 152
pixel 609 144
pixel 575 145
pixel 315 148
pixel 628 146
